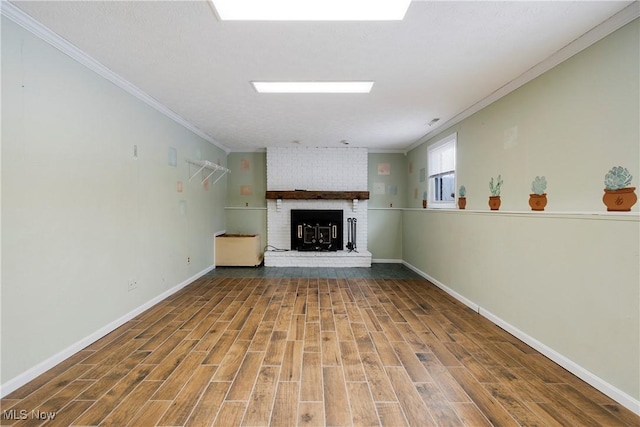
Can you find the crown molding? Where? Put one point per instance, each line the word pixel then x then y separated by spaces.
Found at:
pixel 612 24
pixel 589 38
pixel 13 13
pixel 386 151
pixel 249 150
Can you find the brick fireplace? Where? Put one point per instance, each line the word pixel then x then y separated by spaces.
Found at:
pixel 316 179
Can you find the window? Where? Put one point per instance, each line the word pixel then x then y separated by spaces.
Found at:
pixel 442 172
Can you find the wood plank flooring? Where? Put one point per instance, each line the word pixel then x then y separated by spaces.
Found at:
pixel 310 352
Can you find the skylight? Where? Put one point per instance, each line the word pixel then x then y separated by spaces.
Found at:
pixel 311 10
pixel 312 87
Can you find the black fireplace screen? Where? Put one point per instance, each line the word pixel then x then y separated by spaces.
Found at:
pixel 316 230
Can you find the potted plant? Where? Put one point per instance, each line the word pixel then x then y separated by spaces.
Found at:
pixel 494 199
pixel 424 200
pixel 538 199
pixel 462 197
pixel 618 196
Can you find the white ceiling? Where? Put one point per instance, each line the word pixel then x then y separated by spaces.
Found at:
pixel 442 59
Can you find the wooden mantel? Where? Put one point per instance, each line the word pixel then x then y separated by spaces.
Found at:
pixel 318 195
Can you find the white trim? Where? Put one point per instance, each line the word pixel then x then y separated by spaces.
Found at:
pixel 613 392
pixel 448 290
pixel 595 215
pixel 19 17
pixel 249 150
pixel 386 261
pixel 453 137
pixel 20 380
pixel 245 208
pixel 592 36
pixel 386 151
pixel 334 259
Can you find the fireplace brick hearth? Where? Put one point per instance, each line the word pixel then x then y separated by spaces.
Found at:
pixel 320 259
pixel 320 170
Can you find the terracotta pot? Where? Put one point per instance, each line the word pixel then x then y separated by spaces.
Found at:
pixel 462 202
pixel 620 200
pixel 494 202
pixel 538 201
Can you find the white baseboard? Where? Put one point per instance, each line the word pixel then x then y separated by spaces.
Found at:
pixel 448 290
pixel 613 392
pixel 387 261
pixel 17 382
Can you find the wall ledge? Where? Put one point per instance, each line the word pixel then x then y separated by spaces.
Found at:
pixel 594 215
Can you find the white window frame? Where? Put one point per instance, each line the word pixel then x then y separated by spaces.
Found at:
pixel 451 140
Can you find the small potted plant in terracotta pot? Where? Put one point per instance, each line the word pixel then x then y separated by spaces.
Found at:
pixel 538 199
pixel 618 196
pixel 462 197
pixel 494 199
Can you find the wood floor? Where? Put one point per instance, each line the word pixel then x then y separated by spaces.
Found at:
pixel 310 352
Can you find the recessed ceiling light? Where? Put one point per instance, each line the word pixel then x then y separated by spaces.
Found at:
pixel 345 142
pixel 311 10
pixel 312 87
pixel 434 121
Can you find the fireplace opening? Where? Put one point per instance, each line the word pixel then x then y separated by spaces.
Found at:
pixel 316 230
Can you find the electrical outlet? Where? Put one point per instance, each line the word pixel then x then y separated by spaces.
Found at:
pixel 132 284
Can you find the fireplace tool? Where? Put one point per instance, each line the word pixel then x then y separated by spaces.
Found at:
pixel 351 232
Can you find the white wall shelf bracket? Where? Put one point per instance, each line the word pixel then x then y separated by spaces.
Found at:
pixel 208 166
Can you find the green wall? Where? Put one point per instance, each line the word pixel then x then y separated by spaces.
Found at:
pixel 387 198
pixel 76 204
pixel 246 214
pixel 571 124
pixel 387 191
pixel 81 215
pixel 246 207
pixel 568 277
pixel 247 182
